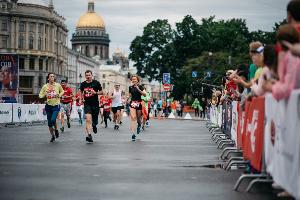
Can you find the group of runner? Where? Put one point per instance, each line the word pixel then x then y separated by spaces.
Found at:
pixel 90 97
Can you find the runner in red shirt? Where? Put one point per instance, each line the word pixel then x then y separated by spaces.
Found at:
pixel 66 104
pixel 106 108
pixel 79 107
pixel 101 98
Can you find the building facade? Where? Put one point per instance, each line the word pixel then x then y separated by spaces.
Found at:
pixel 38 34
pixel 90 37
pixel 121 59
pixel 77 65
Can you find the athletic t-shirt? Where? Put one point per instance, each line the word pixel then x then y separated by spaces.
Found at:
pixel 117 101
pixel 135 94
pixel 252 70
pixel 67 92
pixel 90 98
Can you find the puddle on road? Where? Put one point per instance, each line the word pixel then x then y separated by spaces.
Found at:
pixel 211 166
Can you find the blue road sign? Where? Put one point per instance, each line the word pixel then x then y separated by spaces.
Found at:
pixel 166 78
pixel 194 74
pixel 208 74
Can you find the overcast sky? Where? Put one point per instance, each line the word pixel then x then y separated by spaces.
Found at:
pixel 125 19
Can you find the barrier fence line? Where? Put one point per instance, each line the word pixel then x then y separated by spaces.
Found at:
pixel 26 113
pixel 267 132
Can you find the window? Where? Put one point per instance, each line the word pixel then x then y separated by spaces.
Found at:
pixel 31 27
pixel 22 26
pixel 40 43
pixel 41 64
pixel 40 81
pixel 31 63
pixel 87 53
pixel 21 42
pixel 104 75
pixel 31 42
pixel 4 25
pixel 46 29
pixel 46 65
pixel 4 42
pixel 103 85
pixel 21 63
pixel 96 50
pixel 26 81
pixel 41 28
pixel 46 45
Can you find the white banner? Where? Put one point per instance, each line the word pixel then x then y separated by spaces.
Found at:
pixel 234 121
pixel 41 112
pixel 273 121
pixel 5 112
pixel 32 111
pixel 285 163
pixel 220 116
pixel 19 112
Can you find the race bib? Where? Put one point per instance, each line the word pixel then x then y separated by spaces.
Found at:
pixel 106 107
pixel 51 94
pixel 88 92
pixel 135 104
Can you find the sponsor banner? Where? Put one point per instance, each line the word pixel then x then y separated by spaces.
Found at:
pixel 255 131
pixel 9 69
pixel 220 115
pixel 19 112
pixel 273 121
pixel 42 115
pixel 5 113
pixel 286 170
pixel 32 113
pixel 234 121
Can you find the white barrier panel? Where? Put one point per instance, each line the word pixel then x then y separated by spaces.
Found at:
pixel 42 115
pixel 234 121
pixel 220 116
pixel 19 112
pixel 32 111
pixel 5 112
pixel 285 162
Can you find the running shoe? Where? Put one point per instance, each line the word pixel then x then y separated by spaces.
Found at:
pixel 121 122
pixel 95 129
pixel 133 137
pixel 89 138
pixel 56 133
pixel 69 125
pixel 62 129
pixel 52 139
pixel 138 129
pixel 143 128
pixel 117 127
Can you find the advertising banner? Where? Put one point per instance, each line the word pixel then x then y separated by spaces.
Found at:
pixel 5 113
pixel 9 76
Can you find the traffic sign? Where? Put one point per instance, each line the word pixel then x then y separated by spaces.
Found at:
pixel 166 78
pixel 167 87
pixel 194 74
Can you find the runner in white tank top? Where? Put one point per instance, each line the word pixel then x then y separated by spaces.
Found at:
pixel 116 97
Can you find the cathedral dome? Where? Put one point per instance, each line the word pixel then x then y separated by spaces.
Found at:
pixel 90 19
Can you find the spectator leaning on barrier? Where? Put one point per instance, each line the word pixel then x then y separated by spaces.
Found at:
pixel 268 72
pixel 53 92
pixel 288 65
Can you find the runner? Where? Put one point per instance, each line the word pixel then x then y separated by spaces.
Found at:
pixel 106 108
pixel 66 105
pixel 122 107
pixel 90 89
pixel 101 108
pixel 116 105
pixel 145 108
pixel 135 91
pixel 79 107
pixel 52 91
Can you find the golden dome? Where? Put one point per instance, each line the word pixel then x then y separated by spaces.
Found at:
pixel 90 19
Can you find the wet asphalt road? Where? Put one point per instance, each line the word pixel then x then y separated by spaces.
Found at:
pixel 164 163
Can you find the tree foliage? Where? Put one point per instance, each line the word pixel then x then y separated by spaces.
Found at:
pixel 186 48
